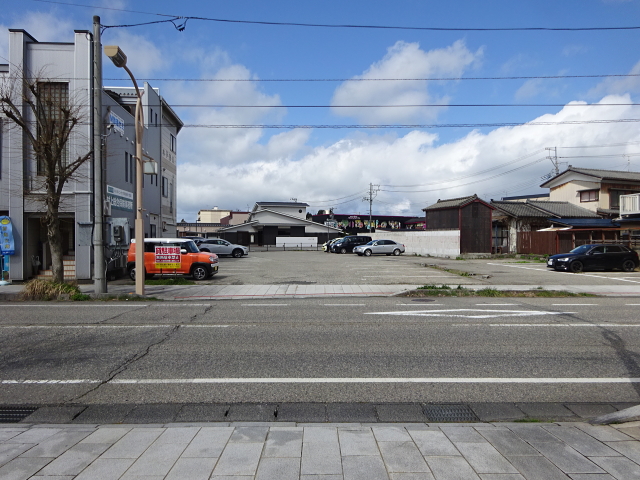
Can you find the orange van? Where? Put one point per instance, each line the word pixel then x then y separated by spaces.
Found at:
pixel 173 256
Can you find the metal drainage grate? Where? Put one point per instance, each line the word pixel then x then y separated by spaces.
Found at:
pixel 449 413
pixel 423 300
pixel 15 414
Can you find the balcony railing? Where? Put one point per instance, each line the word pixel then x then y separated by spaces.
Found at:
pixel 630 204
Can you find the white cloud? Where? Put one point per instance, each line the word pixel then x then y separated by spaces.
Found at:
pixel 143 56
pixel 43 26
pixel 347 166
pixel 618 85
pixel 403 60
pixel 574 49
pixel 529 89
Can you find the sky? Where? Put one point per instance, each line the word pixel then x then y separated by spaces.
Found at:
pixel 440 100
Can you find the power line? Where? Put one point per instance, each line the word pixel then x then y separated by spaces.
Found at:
pixel 470 183
pixel 425 126
pixel 583 105
pixel 441 79
pixel 327 25
pixel 524 157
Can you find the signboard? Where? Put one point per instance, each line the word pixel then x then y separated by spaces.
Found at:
pixel 167 257
pixel 120 199
pixel 117 122
pixel 7 244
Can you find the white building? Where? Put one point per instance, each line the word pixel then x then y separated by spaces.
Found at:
pixel 68 66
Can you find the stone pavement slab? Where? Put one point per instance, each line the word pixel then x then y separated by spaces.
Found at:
pixel 346 451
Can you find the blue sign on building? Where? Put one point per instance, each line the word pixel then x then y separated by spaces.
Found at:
pixel 7 245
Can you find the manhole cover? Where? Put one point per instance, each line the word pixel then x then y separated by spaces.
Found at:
pixel 449 413
pixel 423 300
pixel 15 414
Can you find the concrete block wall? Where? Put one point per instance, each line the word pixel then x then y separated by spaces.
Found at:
pixel 437 243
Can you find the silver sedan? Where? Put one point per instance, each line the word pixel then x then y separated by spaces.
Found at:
pixel 379 247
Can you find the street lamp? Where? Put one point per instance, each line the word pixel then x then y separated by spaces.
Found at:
pixel 119 59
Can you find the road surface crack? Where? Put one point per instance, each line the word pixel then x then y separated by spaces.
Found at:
pixel 127 363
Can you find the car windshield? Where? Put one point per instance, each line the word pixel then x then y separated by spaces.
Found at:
pixel 190 246
pixel 371 242
pixel 582 249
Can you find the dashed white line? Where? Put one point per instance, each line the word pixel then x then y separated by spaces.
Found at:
pixel 575 304
pixel 342 380
pixel 264 304
pixel 344 305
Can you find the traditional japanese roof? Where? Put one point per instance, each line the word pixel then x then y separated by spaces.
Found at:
pixel 585 222
pixel 455 203
pixel 563 209
pixel 282 204
pixel 599 175
pixel 519 209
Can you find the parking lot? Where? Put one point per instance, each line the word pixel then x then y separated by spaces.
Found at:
pixel 319 268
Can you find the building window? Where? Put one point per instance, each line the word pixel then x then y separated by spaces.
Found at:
pixel 614 197
pixel 126 167
pixel 53 101
pixel 165 187
pixel 173 142
pixel 589 196
pixel 171 197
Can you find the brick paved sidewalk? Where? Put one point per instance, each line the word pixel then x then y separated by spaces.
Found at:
pixel 242 451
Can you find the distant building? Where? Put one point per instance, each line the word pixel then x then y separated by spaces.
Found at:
pixel 593 189
pixel 269 220
pixel 355 223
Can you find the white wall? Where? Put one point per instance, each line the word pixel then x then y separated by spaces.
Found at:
pixel 296 241
pixel 437 243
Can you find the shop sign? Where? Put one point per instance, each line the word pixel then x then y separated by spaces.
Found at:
pixel 7 244
pixel 120 199
pixel 167 257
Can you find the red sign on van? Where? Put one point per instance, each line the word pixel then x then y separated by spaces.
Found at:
pixel 167 257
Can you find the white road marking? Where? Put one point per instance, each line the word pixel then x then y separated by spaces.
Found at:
pixel 565 273
pixel 356 380
pixel 111 305
pixel 264 304
pixel 476 313
pixel 495 304
pixel 575 304
pixel 344 304
pixel 87 327
pixel 409 276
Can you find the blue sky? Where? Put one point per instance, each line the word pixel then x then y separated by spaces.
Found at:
pixel 233 168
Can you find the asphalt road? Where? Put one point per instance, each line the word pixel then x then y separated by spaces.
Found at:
pixel 322 350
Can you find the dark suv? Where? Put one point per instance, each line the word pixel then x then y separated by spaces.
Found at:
pixel 348 243
pixel 595 257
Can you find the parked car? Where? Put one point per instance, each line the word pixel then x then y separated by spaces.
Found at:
pixel 171 256
pixel 222 247
pixel 595 257
pixel 348 243
pixel 326 246
pixel 379 247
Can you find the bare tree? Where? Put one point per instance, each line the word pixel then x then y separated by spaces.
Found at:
pixel 42 109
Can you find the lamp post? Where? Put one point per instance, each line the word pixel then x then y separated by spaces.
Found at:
pixel 119 59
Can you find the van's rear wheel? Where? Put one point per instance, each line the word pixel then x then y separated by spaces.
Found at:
pixel 199 272
pixel 132 274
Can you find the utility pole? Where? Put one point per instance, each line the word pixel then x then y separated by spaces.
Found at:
pixel 372 194
pixel 554 158
pixel 99 267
